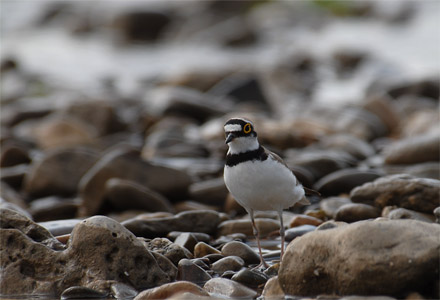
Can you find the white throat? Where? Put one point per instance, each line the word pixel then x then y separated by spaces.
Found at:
pixel 243 144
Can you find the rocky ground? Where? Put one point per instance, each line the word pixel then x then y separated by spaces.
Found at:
pixel 112 187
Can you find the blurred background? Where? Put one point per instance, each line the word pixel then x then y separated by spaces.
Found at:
pixel 330 85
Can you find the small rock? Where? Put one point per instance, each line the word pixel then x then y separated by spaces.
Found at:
pixel 353 212
pixel 167 290
pixel 126 194
pixel 229 263
pixel 413 150
pixel 212 191
pixel 123 291
pixel 165 264
pixel 13 155
pixel 205 221
pixel 192 205
pixel 14 176
pixel 189 271
pixel 186 240
pixel 343 181
pixel 60 227
pixel 250 278
pixel 264 225
pixel 125 164
pixel 366 257
pixel 202 249
pixel 304 220
pixel 199 236
pixel 50 208
pixel 168 249
pixel 419 194
pixel 403 213
pixel 242 250
pixel 331 205
pixel 228 288
pixel 292 233
pixel 330 224
pixel 273 290
pixel 59 172
pixel 14 207
pixel 81 292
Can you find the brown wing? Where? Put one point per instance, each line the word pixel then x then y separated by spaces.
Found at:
pixel 309 192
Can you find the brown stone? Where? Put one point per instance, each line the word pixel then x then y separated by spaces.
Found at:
pixel 170 289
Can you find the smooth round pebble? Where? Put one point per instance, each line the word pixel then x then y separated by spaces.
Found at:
pixel 354 212
pixel 241 250
pixel 229 263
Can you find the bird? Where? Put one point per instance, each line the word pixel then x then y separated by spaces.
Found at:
pixel 258 179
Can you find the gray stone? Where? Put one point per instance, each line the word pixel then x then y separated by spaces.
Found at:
pixel 367 258
pixel 166 291
pixel 189 271
pixel 212 191
pixel 403 213
pixel 228 288
pixel 251 278
pixel 419 194
pixel 331 205
pixel 80 292
pixel 168 249
pixel 295 232
pixel 241 250
pixel 229 263
pixel 353 212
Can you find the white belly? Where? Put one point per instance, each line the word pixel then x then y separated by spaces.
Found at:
pixel 263 185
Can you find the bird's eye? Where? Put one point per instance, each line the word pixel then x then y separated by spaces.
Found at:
pixel 247 128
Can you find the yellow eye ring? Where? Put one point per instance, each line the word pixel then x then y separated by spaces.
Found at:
pixel 247 128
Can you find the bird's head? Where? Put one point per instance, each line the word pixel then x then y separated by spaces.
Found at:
pixel 240 135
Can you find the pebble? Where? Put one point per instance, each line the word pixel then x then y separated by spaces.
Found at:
pixel 14 176
pixel 343 181
pixel 121 290
pixel 330 224
pixel 202 249
pixel 265 226
pixel 165 264
pixel 187 240
pixel 228 288
pixel 212 191
pixel 168 249
pixel 229 263
pixel 14 207
pixel 292 233
pixel 81 292
pixel 190 271
pixel 331 205
pixel 170 289
pixel 12 155
pixel 50 208
pixel 242 250
pixel 273 290
pixel 304 220
pixel 251 278
pixel 60 227
pixel 419 194
pixel 353 212
pixel 418 149
pixel 201 237
pixel 59 172
pixel 125 164
pixel 125 194
pixel 403 213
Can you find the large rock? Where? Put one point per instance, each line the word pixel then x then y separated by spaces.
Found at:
pixel 364 258
pixel 125 164
pixel 419 194
pixel 100 253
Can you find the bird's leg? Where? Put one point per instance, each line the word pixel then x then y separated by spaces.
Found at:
pixel 257 236
pixel 280 213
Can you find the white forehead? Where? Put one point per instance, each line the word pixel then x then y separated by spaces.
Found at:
pixel 232 127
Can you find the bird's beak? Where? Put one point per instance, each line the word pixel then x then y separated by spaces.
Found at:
pixel 231 136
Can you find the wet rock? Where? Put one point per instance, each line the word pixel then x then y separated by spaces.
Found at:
pixel 59 172
pixel 81 292
pixel 242 250
pixel 403 213
pixel 419 194
pixel 124 164
pixel 202 249
pixel 228 288
pixel 264 225
pixel 300 220
pixel 141 25
pixel 165 264
pixel 187 240
pixel 294 232
pixel 126 194
pixel 189 221
pixel 212 191
pixel 229 263
pixel 50 208
pixel 353 212
pixel 343 181
pixel 60 227
pixel 331 205
pixel 251 278
pixel 190 271
pixel 170 289
pixel 273 290
pixel 12 155
pixel 168 249
pixel 377 258
pixel 414 150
